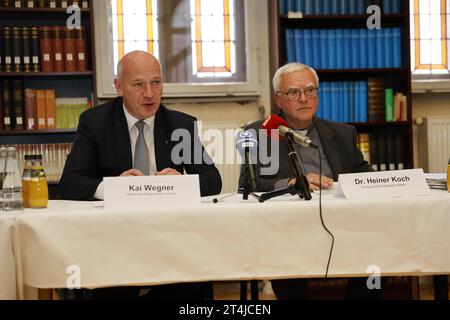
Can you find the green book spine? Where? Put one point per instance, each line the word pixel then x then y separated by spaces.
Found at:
pixel 389 105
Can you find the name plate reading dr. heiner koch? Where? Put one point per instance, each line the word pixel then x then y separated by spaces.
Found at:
pixel 384 184
pixel 151 192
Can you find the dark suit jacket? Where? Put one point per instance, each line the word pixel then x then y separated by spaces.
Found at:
pixel 102 148
pixel 339 143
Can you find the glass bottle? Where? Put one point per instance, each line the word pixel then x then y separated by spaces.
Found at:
pixel 3 153
pixel 12 185
pixel 26 180
pixel 38 193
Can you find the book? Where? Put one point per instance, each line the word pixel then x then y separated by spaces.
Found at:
pixel 50 104
pixel 7 50
pixel 400 107
pixel 58 48
pixel 18 3
pixel 41 109
pixel 364 146
pixel 30 109
pixel 26 49
pixel 389 104
pixel 46 49
pixel 2 59
pixel 81 49
pixel 376 100
pixel 7 3
pixel 41 4
pixel 19 107
pixel 69 50
pixel 381 150
pixel 17 49
pixel 7 105
pixel 1 105
pixel 35 50
pixel 390 150
pixel 373 146
pixel 399 147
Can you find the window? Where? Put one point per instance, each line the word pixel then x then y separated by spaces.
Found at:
pixel 429 44
pixel 196 41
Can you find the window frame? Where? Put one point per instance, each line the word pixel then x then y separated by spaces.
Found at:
pixel 250 88
pixel 422 83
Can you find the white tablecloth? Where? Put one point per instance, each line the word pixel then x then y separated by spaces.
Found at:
pixel 8 278
pixel 233 240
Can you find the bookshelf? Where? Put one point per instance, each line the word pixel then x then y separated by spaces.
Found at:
pixel 73 78
pixel 292 36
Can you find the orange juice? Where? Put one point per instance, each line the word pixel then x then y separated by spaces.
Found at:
pixel 38 192
pixel 26 179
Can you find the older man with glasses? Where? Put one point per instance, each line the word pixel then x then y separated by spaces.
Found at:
pixel 296 86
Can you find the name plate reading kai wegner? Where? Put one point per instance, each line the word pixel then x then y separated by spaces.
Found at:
pixel 151 192
pixel 384 184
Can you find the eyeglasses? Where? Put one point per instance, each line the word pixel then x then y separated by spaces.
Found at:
pixel 294 93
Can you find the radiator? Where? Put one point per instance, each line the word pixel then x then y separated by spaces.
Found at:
pixel 224 154
pixel 434 144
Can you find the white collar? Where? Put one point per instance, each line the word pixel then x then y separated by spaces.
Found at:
pixel 131 121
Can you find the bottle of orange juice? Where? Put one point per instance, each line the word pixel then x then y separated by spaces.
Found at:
pixel 38 193
pixel 26 180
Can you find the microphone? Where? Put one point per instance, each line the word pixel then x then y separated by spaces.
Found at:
pixel 275 122
pixel 247 146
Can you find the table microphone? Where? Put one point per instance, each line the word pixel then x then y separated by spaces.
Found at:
pixel 247 146
pixel 274 122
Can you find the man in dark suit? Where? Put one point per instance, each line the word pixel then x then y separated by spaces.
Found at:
pixel 296 86
pixel 105 142
pixel 131 136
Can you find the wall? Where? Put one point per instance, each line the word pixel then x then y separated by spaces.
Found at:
pixel 428 104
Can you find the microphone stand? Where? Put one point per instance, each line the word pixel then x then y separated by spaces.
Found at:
pixel 249 187
pixel 301 186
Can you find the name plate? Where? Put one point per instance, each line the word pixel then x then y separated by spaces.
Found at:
pixel 151 192
pixel 384 184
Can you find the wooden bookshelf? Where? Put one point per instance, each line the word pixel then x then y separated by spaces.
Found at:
pixel 35 132
pixel 397 78
pixel 40 10
pixel 66 84
pixel 45 74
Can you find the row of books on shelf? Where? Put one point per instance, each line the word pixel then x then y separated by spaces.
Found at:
pixel 43 3
pixel 337 7
pixel 343 101
pixel 53 155
pixel 345 48
pixel 384 150
pixel 30 109
pixel 384 103
pixel 46 49
pixel 361 101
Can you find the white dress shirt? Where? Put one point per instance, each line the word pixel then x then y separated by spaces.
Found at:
pixel 134 133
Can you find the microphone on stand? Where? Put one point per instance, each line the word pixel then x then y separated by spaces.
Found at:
pixel 274 122
pixel 247 146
